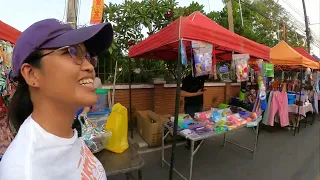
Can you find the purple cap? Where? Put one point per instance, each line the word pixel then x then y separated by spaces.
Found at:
pixel 52 33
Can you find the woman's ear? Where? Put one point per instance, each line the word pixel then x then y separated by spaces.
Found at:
pixel 30 74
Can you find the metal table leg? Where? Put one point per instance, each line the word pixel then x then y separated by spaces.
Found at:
pixel 139 174
pixel 191 159
pixel 256 139
pixel 253 151
pixel 192 153
pixel 164 136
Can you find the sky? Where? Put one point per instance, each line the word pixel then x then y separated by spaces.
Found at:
pixel 22 13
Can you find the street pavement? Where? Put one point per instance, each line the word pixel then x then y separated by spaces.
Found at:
pixel 280 156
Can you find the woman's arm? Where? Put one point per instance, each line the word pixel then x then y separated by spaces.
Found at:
pixel 188 94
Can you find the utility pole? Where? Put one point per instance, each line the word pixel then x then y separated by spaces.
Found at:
pixel 72 13
pixel 307 25
pixel 230 15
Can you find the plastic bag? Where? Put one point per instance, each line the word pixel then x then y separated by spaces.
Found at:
pixel 202 57
pixel 96 138
pixel 241 65
pixel 118 125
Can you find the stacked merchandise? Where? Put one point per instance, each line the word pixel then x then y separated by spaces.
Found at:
pixel 216 120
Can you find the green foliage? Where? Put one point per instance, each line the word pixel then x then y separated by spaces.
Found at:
pixel 132 19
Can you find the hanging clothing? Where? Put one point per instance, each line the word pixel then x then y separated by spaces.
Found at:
pixel 265 119
pixel 279 104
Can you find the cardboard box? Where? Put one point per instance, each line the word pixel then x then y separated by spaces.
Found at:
pixel 150 127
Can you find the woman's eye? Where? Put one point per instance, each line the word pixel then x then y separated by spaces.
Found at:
pixel 65 52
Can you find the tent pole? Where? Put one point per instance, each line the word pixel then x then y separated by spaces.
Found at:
pixel 130 111
pixel 297 128
pixel 176 113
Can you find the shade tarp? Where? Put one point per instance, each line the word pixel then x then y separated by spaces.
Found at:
pixel 316 57
pixel 8 33
pixel 163 45
pixel 284 55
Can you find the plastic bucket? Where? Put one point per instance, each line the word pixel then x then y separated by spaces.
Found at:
pixel 102 100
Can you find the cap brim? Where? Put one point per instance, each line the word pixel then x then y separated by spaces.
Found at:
pixel 96 38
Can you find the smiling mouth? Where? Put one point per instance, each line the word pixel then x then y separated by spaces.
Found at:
pixel 84 82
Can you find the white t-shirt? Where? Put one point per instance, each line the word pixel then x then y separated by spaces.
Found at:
pixel 36 154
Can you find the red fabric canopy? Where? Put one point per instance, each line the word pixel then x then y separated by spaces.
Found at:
pixel 305 53
pixel 8 33
pixel 164 44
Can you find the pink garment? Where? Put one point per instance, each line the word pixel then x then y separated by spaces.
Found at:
pixel 279 104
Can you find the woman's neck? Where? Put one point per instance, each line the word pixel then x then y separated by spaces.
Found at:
pixel 54 118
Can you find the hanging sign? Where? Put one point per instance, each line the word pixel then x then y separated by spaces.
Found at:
pixel 97 11
pixel 184 57
pixel 241 64
pixel 202 57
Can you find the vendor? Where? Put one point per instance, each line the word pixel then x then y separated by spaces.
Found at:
pixel 192 90
pixel 53 64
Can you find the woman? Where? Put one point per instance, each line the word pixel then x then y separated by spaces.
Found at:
pixel 53 66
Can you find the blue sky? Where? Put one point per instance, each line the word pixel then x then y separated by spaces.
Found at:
pixel 22 13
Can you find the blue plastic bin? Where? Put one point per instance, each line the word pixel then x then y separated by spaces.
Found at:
pixel 291 98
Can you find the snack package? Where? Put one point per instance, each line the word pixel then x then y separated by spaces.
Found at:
pixel 241 65
pixel 202 57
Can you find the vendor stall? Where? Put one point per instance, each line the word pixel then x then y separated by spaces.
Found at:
pixel 285 57
pixel 167 44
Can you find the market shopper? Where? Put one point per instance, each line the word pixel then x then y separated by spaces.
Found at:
pixel 52 63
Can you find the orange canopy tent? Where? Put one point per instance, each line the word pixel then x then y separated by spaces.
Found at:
pixel 8 33
pixel 284 55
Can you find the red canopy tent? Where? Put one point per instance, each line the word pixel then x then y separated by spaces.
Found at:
pixel 164 44
pixel 305 53
pixel 8 33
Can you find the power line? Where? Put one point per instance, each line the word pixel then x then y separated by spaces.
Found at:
pixel 278 18
pixel 297 11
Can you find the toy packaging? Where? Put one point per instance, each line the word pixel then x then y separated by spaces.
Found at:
pixel 202 57
pixel 184 58
pixel 241 65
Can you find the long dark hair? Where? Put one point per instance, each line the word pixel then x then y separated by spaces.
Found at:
pixel 20 106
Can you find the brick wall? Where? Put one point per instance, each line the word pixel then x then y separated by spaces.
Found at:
pixel 161 98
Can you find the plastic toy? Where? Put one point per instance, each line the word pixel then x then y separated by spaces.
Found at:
pixel 241 64
pixel 202 53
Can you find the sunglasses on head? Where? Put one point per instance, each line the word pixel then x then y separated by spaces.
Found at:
pixel 77 54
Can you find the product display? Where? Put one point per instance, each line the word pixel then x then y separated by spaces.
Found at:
pixel 202 57
pixel 241 65
pixel 6 85
pixel 184 58
pixel 215 120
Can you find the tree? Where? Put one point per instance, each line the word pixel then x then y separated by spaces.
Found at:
pixel 134 20
pixel 263 20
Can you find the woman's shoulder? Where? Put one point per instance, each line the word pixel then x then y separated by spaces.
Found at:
pixel 13 164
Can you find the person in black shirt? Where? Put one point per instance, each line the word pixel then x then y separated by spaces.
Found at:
pixel 192 90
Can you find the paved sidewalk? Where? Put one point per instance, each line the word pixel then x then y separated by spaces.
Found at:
pixel 280 156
